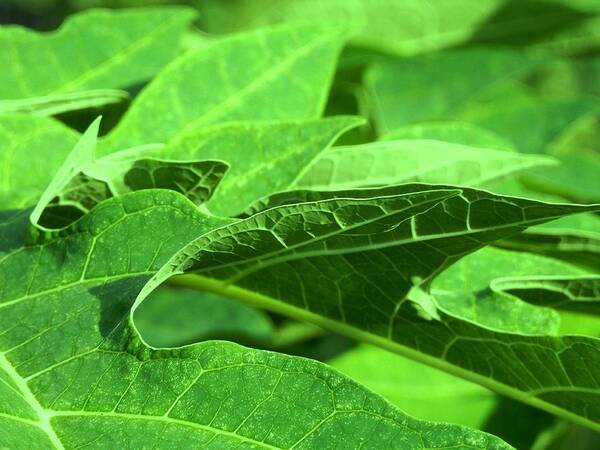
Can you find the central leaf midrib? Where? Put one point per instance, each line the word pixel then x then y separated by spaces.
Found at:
pixel 43 418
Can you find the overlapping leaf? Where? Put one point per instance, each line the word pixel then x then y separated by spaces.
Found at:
pixel 364 268
pixel 74 371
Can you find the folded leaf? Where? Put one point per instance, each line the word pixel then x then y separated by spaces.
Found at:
pixel 82 56
pixel 82 182
pixel 286 75
pixel 353 261
pixel 579 247
pixel 570 293
pixel 75 371
pixel 468 290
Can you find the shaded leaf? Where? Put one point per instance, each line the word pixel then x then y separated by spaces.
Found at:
pixel 402 92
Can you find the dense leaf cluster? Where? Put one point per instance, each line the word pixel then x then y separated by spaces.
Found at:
pixel 287 212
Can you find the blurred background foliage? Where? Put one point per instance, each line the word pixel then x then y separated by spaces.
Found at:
pixel 514 75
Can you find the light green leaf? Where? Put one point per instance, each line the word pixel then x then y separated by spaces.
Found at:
pixel 264 157
pixel 26 163
pixel 98 49
pixel 417 389
pixel 405 91
pixel 75 372
pixel 347 261
pixel 286 76
pixel 402 161
pixel 57 104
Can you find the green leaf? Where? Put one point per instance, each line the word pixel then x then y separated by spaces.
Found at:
pixel 575 178
pixel 82 155
pixel 286 75
pixel 172 317
pixel 26 164
pixel 347 261
pixel 264 157
pixel 405 91
pixel 417 389
pixel 98 49
pixel 403 27
pixel 428 161
pixel 75 372
pixel 530 124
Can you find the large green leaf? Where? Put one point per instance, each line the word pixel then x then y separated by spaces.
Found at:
pixel 92 50
pixel 414 160
pixel 405 91
pixel 286 75
pixel 74 371
pixel 362 262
